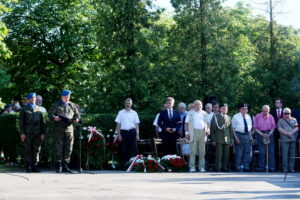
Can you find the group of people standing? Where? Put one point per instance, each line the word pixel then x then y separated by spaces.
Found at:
pixel 64 114
pixel 195 125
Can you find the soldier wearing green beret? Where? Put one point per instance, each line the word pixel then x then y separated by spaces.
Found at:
pixel 64 114
pixel 222 137
pixel 32 129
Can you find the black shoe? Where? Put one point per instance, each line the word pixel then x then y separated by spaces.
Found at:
pixel 27 169
pixel 66 169
pixel 58 167
pixel 34 168
pixel 225 170
pixel 246 170
pixel 260 170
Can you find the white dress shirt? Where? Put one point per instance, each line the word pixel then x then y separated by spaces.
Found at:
pixel 238 122
pixel 208 117
pixel 155 123
pixel 127 119
pixel 199 119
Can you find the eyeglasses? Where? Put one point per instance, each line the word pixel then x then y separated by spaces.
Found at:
pixel 286 113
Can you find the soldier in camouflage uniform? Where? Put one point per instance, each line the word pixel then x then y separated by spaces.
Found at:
pixel 64 113
pixel 32 129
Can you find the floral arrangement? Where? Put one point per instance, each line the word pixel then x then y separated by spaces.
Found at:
pixel 144 164
pixel 93 147
pixel 173 163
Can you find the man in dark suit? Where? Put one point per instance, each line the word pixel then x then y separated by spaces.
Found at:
pixel 277 114
pixel 169 121
pixel 296 114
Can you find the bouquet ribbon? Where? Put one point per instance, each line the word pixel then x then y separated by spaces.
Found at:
pixel 93 131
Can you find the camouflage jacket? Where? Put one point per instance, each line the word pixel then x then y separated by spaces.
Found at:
pixel 68 113
pixel 32 120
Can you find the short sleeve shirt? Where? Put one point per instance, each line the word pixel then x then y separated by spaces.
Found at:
pixel 287 125
pixel 127 119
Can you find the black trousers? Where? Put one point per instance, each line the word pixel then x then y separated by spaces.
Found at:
pixel 169 142
pixel 128 146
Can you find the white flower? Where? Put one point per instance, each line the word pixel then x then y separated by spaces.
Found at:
pixel 84 128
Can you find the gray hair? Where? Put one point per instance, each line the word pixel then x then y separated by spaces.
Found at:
pixel 287 109
pixel 127 100
pixel 208 105
pixel 181 105
pixel 190 105
pixel 266 106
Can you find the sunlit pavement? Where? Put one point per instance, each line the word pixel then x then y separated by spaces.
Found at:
pixel 121 185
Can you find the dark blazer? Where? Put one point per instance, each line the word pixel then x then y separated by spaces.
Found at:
pixel 274 114
pixel 164 121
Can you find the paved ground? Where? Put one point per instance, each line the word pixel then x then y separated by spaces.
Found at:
pixel 136 186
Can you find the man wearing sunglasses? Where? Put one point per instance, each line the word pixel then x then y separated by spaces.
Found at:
pixel 288 129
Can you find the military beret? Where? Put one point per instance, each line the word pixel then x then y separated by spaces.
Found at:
pixel 66 93
pixel 243 105
pixel 223 105
pixel 31 95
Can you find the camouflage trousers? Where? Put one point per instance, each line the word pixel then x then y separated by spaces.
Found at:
pixel 32 148
pixel 63 139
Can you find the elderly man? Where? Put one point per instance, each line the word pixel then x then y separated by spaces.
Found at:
pixel 181 108
pixel 32 128
pixel 128 131
pixel 288 129
pixel 264 125
pixel 158 130
pixel 222 137
pixel 196 131
pixel 169 121
pixel 39 102
pixel 242 126
pixel 64 114
pixel 209 111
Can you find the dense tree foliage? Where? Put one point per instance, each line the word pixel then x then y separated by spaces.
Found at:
pixel 107 50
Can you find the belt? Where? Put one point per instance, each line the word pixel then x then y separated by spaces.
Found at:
pixel 242 133
pixel 127 130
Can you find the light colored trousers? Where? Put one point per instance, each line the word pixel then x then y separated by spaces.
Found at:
pixel 197 146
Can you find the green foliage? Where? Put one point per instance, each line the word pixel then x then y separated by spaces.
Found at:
pixel 4 51
pixel 105 51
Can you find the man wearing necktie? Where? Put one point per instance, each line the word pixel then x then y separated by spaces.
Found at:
pixel 277 114
pixel 32 128
pixel 242 126
pixel 169 121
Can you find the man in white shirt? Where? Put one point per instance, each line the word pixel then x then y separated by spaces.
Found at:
pixel 196 131
pixel 242 126
pixel 128 131
pixel 158 130
pixel 210 114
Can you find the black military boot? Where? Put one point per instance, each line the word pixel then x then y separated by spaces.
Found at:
pixel 58 167
pixel 65 168
pixel 27 168
pixel 34 168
